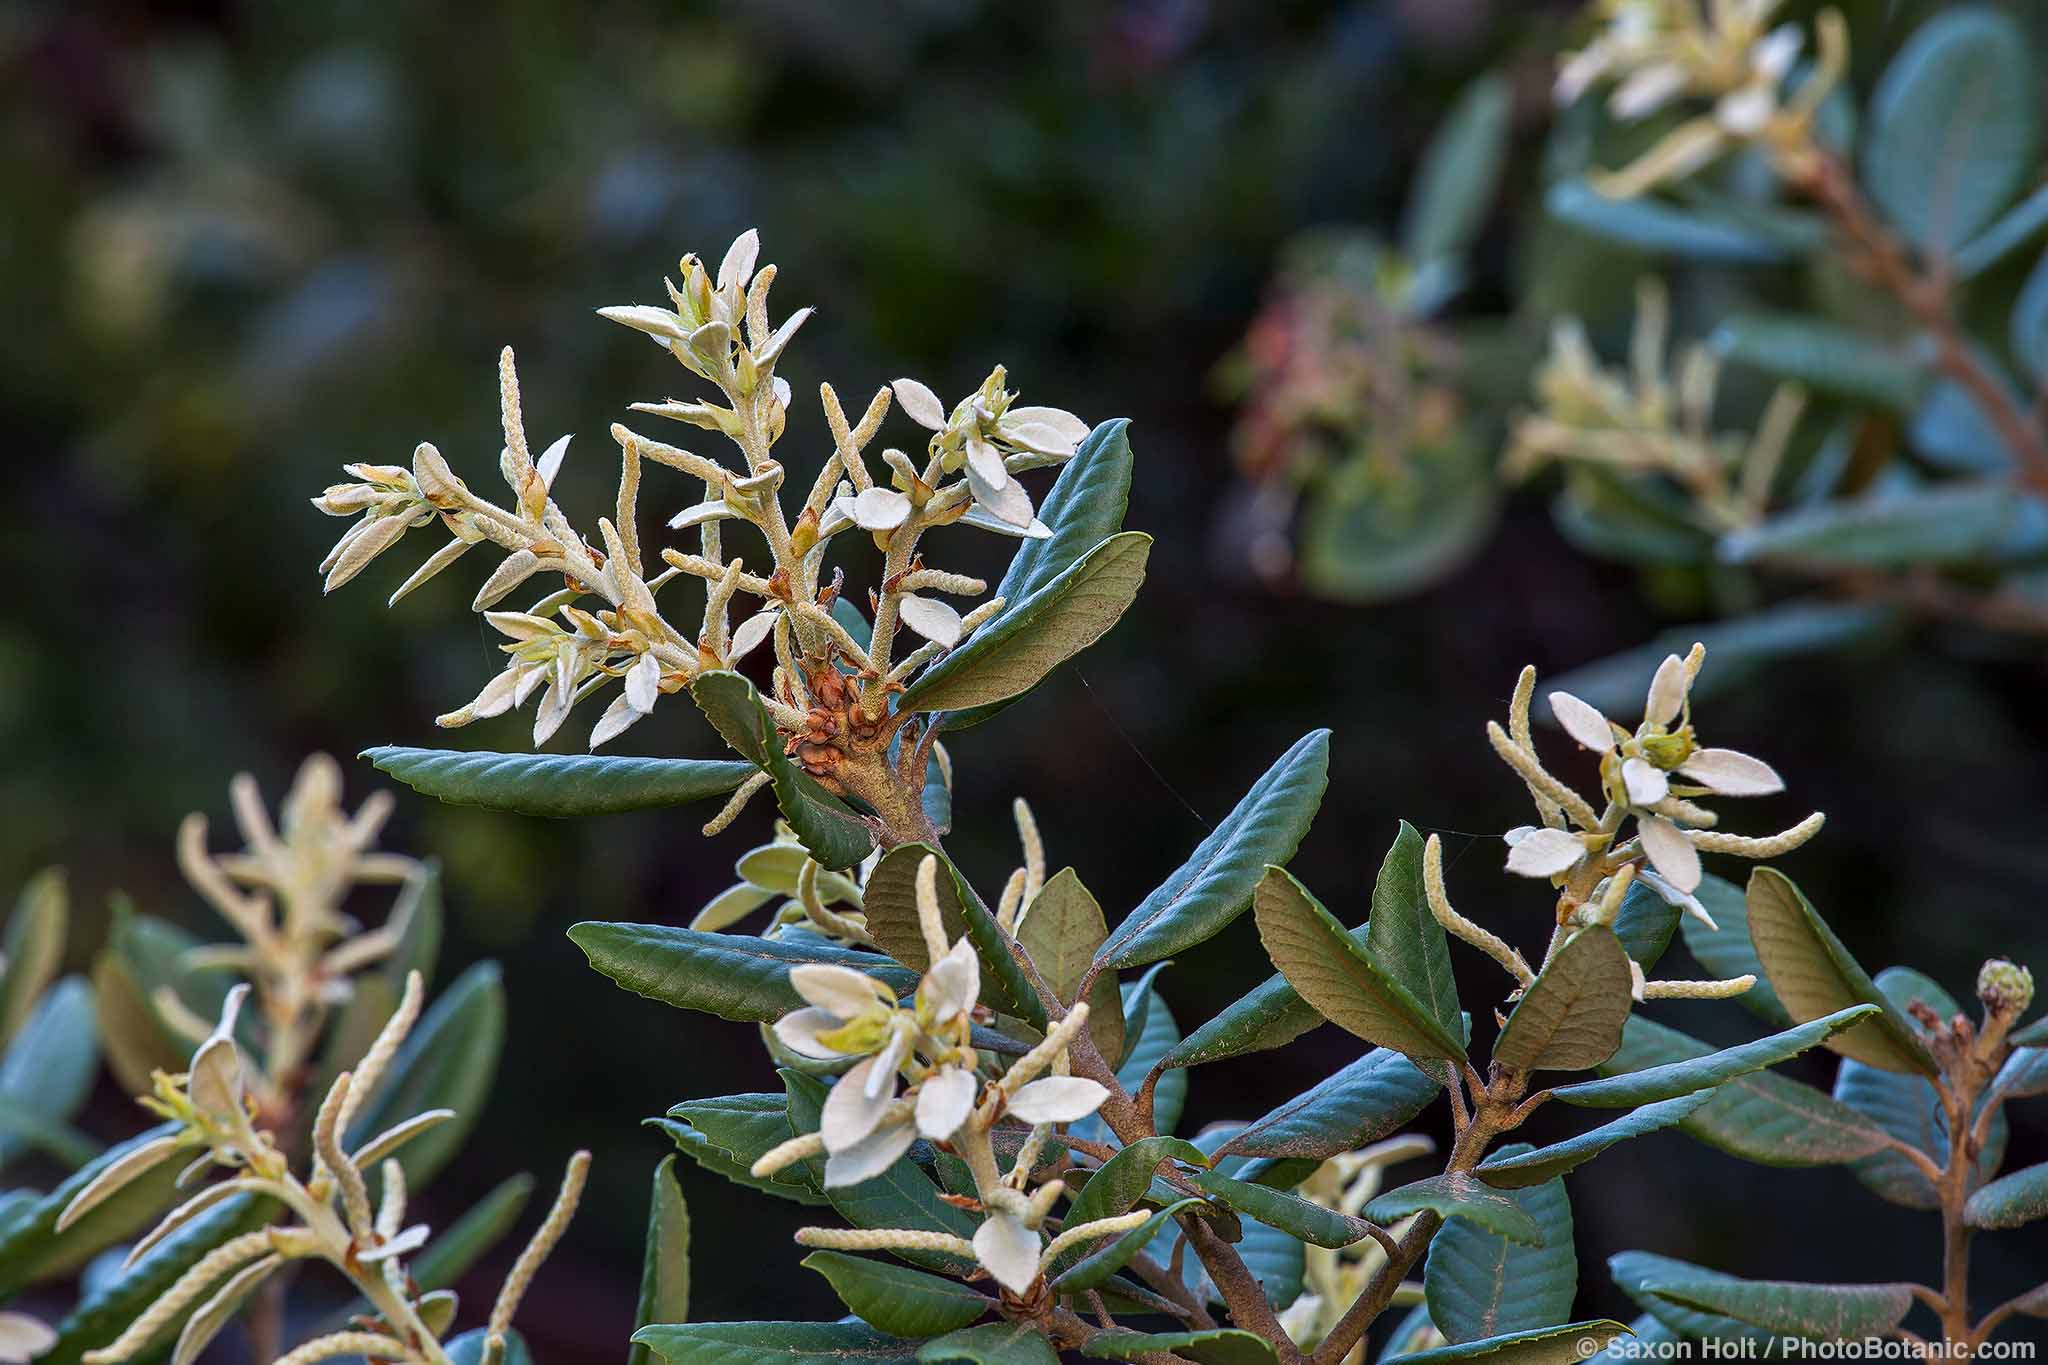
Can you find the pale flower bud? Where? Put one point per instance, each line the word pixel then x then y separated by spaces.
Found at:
pixel 2006 988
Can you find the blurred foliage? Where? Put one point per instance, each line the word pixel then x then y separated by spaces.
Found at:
pixel 245 244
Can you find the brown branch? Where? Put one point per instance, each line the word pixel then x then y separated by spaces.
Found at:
pixel 1926 295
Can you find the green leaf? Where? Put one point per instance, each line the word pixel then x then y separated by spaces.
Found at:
pixel 448 1062
pixel 1634 1271
pixel 1725 950
pixel 1700 234
pixel 890 901
pixel 1825 358
pixel 1815 1312
pixel 2029 326
pixel 835 836
pixel 31 1249
pixel 1310 1222
pixel 1570 1018
pixel 557 786
pixel 1271 1014
pixel 2025 1073
pixel 1212 1346
pixel 48 1070
pixel 1814 975
pixel 1478 1284
pixel 2033 1035
pixel 1084 507
pixel 1534 1165
pixel 1362 1103
pixel 1950 138
pixel 1117 1186
pixel 901 1197
pixel 1369 534
pixel 1404 937
pixel 1951 524
pixel 1094 1271
pixel 664 1258
pixel 1645 924
pixel 469 1238
pixel 1459 174
pixel 729 1133
pixel 1568 1344
pixel 994 1343
pixel 1215 884
pixel 1455 1194
pixel 1907 1108
pixel 33 948
pixel 1029 639
pixel 734 976
pixel 2010 1200
pixel 106 1311
pixel 1755 1115
pixel 2019 225
pixel 897 1299
pixel 1669 1080
pixel 1060 931
pixel 1339 976
pixel 772 1343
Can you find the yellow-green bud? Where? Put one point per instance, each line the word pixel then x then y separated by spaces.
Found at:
pixel 2006 988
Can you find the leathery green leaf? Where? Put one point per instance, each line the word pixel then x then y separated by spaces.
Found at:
pixel 1060 931
pixel 1216 883
pixel 1028 639
pixel 2010 1201
pixel 891 905
pixel 1455 1194
pixel 1755 1114
pixel 664 1258
pixel 1669 1080
pixel 1120 1182
pixel 992 1343
pixel 1816 1312
pixel 1362 1103
pixel 1478 1284
pixel 897 1299
pixel 557 786
pixel 1293 1215
pixel 734 976
pixel 1339 976
pixel 1815 976
pixel 1405 937
pixel 1570 1018
pixel 1534 1165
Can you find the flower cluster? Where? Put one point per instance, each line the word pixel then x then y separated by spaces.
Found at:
pixel 1653 417
pixel 604 622
pixel 283 894
pixel 919 1074
pixel 1648 824
pixel 331 1216
pixel 1661 51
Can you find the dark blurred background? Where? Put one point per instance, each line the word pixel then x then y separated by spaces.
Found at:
pixel 242 244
